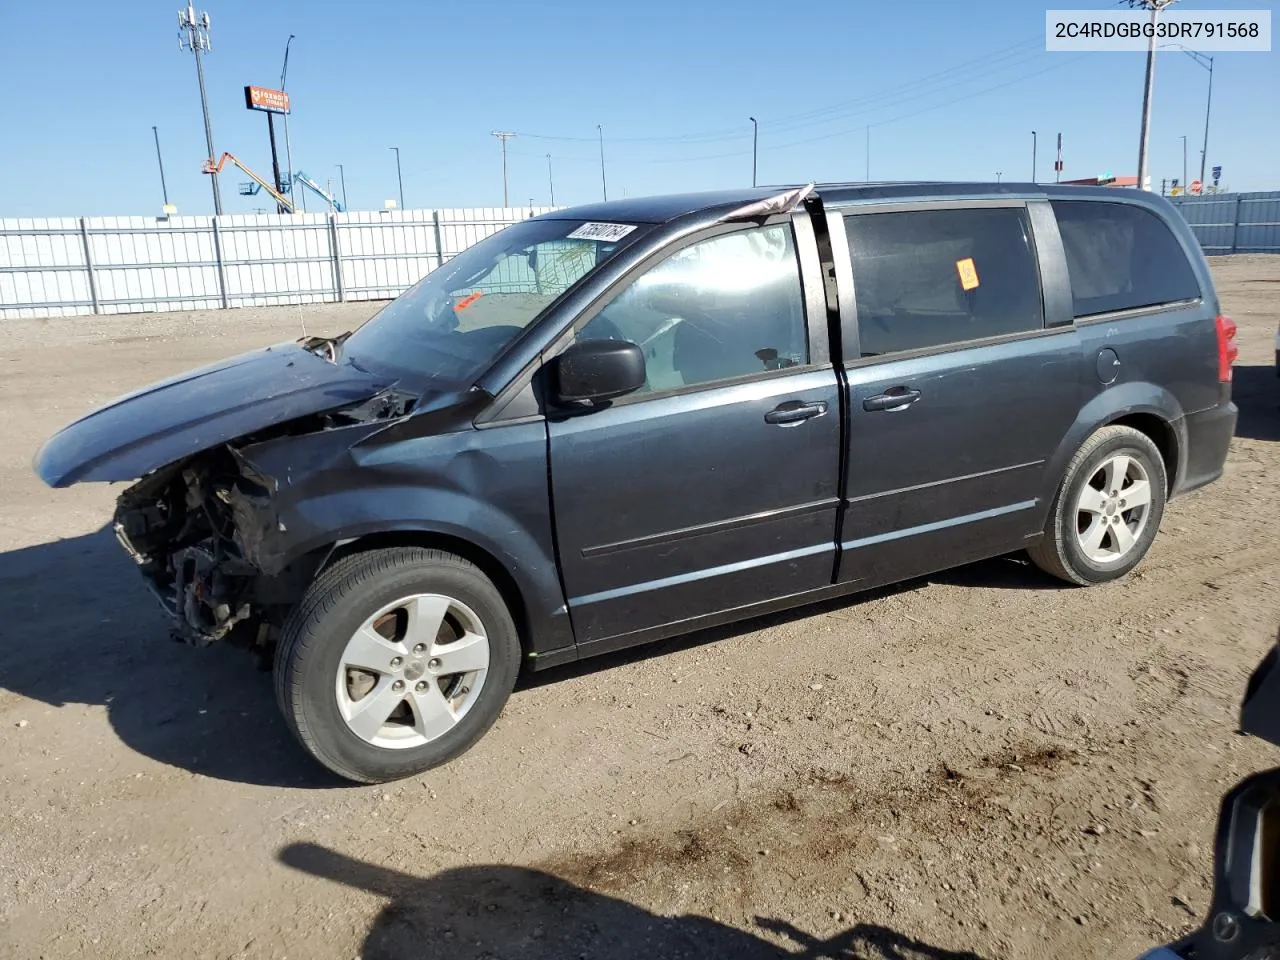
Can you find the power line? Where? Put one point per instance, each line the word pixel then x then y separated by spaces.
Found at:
pixel 840 133
pixel 936 106
pixel 833 111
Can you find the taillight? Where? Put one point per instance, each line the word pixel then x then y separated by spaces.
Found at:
pixel 1227 349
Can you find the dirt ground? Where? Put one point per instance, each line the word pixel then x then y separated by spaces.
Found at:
pixel 981 764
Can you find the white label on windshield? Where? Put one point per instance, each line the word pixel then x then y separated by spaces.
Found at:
pixel 607 232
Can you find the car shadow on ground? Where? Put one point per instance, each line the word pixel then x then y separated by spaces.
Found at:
pixel 1256 391
pixel 80 627
pixel 515 912
pixel 1012 572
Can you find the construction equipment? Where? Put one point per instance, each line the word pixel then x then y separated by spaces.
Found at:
pixel 212 167
pixel 315 188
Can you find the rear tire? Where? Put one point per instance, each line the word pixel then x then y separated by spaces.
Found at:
pixel 395 661
pixel 1107 510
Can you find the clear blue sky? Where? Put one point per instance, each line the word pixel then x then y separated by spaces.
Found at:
pixel 672 81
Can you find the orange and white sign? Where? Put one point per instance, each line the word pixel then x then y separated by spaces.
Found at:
pixel 264 98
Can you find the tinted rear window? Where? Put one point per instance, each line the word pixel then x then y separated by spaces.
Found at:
pixel 931 278
pixel 1121 257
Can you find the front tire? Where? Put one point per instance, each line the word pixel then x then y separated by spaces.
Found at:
pixel 395 661
pixel 1107 510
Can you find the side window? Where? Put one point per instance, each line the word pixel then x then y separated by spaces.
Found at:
pixel 935 277
pixel 1120 257
pixel 721 308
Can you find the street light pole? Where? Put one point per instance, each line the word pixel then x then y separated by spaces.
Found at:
pixel 1033 156
pixel 999 174
pixel 551 183
pixel 342 179
pixel 604 186
pixel 399 178
pixel 1184 163
pixel 755 147
pixel 193 35
pixel 288 149
pixel 160 160
pixel 1155 6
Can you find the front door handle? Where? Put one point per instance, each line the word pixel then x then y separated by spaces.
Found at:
pixel 897 398
pixel 795 411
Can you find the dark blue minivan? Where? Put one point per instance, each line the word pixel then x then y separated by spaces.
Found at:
pixel 619 422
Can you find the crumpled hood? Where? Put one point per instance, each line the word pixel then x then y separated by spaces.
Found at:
pixel 203 408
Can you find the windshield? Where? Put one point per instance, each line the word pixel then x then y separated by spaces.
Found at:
pixel 457 319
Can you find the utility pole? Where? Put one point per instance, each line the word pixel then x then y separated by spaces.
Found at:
pixel 504 137
pixel 1155 6
pixel 1184 162
pixel 1208 103
pixel 399 179
pixel 551 181
pixel 755 147
pixel 342 179
pixel 604 186
pixel 1057 165
pixel 288 149
pixel 1033 156
pixel 1207 64
pixel 193 35
pixel 160 160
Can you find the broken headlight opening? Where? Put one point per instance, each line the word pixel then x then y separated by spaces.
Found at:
pixel 178 526
pixel 196 530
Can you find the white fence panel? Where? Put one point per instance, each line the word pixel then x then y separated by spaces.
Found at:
pixel 42 268
pixel 74 266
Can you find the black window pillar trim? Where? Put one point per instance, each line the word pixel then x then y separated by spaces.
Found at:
pixel 1055 283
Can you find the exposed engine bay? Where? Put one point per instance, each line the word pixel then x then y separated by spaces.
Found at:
pixel 196 529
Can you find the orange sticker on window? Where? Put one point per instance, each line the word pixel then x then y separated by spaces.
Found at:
pixel 968 273
pixel 469 299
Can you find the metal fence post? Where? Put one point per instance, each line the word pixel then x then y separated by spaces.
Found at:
pixel 88 266
pixel 337 258
pixel 1235 226
pixel 435 219
pixel 221 267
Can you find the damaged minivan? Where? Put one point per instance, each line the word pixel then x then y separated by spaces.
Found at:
pixel 617 423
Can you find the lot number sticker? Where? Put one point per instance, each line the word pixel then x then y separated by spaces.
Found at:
pixel 606 232
pixel 968 273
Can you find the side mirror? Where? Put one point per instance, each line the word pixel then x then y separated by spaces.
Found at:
pixel 594 370
pixel 1246 901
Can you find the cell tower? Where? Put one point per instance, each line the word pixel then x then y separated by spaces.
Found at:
pixel 193 35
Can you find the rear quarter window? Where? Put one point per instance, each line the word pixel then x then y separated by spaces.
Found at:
pixel 1121 257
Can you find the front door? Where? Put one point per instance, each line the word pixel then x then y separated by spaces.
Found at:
pixel 714 487
pixel 959 392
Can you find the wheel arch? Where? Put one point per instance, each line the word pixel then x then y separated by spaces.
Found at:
pixel 1147 408
pixel 1160 432
pixel 489 565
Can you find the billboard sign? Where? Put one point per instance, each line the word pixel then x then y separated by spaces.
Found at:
pixel 264 98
